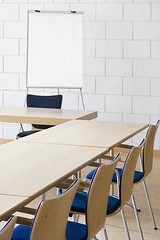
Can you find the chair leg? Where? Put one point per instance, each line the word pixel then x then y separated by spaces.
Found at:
pixel 125 224
pixel 137 218
pixel 149 204
pixel 94 238
pixel 105 233
pixel 131 205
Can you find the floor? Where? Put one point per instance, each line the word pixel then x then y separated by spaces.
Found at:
pixel 114 224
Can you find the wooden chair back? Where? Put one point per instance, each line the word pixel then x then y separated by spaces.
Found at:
pixel 98 197
pixel 51 217
pixel 127 178
pixel 147 156
pixel 7 230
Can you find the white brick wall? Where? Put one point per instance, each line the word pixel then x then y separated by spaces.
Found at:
pixel 121 65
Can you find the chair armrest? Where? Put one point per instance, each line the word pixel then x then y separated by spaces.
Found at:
pixel 27 210
pixel 67 182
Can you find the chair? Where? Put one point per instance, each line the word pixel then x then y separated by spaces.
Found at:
pixel 7 230
pixel 54 101
pixel 116 204
pixel 146 164
pixel 50 219
pixel 94 204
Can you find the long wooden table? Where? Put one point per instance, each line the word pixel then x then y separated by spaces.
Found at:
pixel 33 165
pixel 88 133
pixel 43 115
pixel 30 169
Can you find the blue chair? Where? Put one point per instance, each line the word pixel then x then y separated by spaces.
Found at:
pixel 146 164
pixel 7 230
pixel 50 219
pixel 125 186
pixel 93 205
pixel 54 101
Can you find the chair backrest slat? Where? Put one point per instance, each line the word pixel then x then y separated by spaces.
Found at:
pixel 147 157
pixel 7 230
pixel 98 197
pixel 126 184
pixel 51 218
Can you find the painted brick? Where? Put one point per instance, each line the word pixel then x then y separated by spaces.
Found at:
pixel 92 1
pixel 137 12
pixel 66 1
pixel 1 64
pixel 109 12
pixel 146 68
pixel 8 81
pixel 15 29
pixel 70 101
pixel 156 11
pixel 89 84
pixel 22 82
pixel 8 11
pixel 23 47
pixel 109 85
pixel 8 47
pixel 93 102
pixel 11 130
pixel 89 48
pixel 136 86
pixel 136 49
pixel 118 104
pixel 118 30
pixel 1 29
pixel 109 48
pixel 118 67
pixel 14 1
pixel 110 117
pixel 14 98
pixel 25 7
pixel 146 105
pixel 155 49
pixel 15 64
pixel 89 11
pixel 94 66
pixel 136 118
pixel 1 98
pixel 94 30
pixel 146 30
pixel 39 1
pixel 155 86
pixel 57 7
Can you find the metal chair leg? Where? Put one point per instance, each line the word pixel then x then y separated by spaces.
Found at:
pixel 125 224
pixel 105 233
pixel 131 205
pixel 149 204
pixel 137 218
pixel 94 238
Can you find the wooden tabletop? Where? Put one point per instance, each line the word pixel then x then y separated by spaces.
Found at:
pixel 43 115
pixel 88 133
pixel 30 169
pixel 9 204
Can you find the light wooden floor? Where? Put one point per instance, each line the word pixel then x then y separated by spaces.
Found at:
pixel 114 225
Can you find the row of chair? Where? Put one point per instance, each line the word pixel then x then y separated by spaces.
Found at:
pixel 50 220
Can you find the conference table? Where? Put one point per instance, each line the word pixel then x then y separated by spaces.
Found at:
pixel 32 165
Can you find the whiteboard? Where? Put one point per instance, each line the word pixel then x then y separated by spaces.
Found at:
pixel 54 50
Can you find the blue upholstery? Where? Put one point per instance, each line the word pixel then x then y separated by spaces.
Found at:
pixel 76 231
pixel 113 204
pixel 137 176
pixel 80 202
pixel 26 133
pixel 21 233
pixel 53 101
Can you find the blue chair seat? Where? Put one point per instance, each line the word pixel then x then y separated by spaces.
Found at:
pixel 26 133
pixel 113 204
pixel 76 231
pixel 21 233
pixel 137 176
pixel 79 203
pixel 42 126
